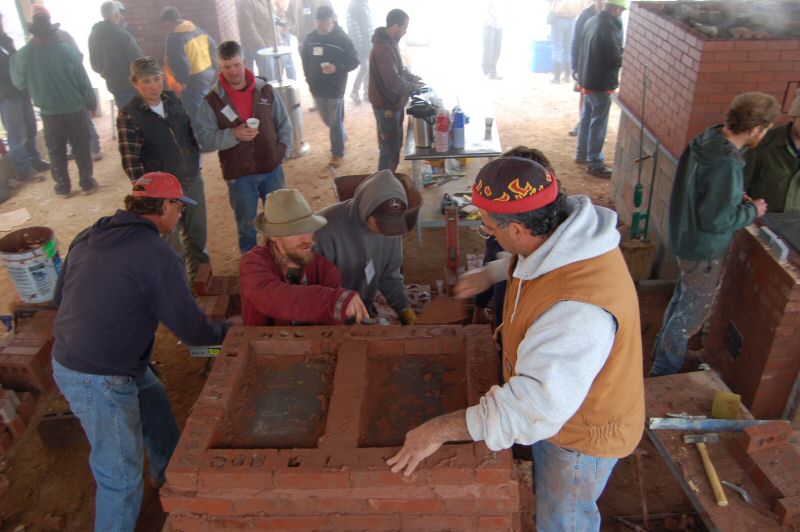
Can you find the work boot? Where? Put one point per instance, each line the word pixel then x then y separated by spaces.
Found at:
pixel 41 166
pixel 63 191
pixel 604 172
pixel 90 186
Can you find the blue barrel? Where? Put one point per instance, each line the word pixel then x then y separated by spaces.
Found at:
pixel 542 57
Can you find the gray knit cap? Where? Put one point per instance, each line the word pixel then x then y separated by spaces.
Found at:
pixel 145 66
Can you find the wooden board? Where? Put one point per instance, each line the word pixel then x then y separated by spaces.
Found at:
pixel 693 393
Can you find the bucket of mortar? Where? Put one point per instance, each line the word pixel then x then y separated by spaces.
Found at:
pixel 31 257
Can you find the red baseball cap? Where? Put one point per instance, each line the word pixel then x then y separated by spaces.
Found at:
pixel 160 185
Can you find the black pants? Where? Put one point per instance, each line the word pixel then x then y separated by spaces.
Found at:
pixel 492 41
pixel 72 128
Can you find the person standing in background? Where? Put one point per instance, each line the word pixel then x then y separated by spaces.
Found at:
pixel 492 39
pixel 112 49
pixel 19 121
pixel 191 60
pixel 359 28
pixel 562 20
pixel 328 55
pixel 52 72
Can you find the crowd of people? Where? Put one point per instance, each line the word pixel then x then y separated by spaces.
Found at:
pixel 568 328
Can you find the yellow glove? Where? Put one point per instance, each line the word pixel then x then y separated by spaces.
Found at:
pixel 408 317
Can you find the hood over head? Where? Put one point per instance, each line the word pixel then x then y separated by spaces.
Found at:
pixel 381 35
pixel 375 190
pixel 589 231
pixel 109 230
pixel 711 145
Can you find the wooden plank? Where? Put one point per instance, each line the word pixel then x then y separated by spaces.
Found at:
pixel 693 393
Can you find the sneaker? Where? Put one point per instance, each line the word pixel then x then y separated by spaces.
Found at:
pixel 336 162
pixel 90 187
pixel 354 97
pixel 573 133
pixel 603 171
pixel 41 166
pixel 96 156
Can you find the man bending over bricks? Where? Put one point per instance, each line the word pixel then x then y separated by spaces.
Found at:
pixel 572 350
pixel 118 282
pixel 285 281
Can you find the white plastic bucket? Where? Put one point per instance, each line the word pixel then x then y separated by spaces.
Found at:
pixel 31 257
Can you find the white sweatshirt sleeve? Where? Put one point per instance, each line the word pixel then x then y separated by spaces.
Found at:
pixel 557 363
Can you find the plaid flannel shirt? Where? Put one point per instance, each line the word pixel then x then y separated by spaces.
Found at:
pixel 130 142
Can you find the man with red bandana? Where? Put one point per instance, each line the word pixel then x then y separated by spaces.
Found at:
pixel 250 151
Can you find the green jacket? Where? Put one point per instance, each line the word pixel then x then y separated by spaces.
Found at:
pixel 773 171
pixel 52 72
pixel 706 202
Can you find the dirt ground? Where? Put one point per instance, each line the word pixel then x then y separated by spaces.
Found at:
pixel 58 480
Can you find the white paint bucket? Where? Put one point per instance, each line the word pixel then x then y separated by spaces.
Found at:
pixel 31 257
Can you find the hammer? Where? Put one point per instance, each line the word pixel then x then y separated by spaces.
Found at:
pixel 701 440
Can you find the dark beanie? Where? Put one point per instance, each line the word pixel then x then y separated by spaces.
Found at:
pixel 513 185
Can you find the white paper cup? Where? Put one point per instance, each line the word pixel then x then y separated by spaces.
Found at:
pixel 253 123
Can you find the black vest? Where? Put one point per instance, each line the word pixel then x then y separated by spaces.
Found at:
pixel 169 144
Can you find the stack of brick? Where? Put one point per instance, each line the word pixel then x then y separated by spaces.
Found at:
pixel 16 410
pixel 218 295
pixel 293 428
pixel 769 458
pixel 25 363
pixel 755 326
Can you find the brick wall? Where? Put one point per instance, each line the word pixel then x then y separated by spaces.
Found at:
pixel 759 302
pixel 293 428
pixel 692 80
pixel 217 17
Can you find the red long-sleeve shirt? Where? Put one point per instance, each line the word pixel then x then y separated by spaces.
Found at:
pixel 268 298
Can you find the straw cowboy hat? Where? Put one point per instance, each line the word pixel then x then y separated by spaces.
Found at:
pixel 287 213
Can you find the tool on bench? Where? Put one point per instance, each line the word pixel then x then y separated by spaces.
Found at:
pixel 700 440
pixel 749 500
pixel 665 423
pixel 684 415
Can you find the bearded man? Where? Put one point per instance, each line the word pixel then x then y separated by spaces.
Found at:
pixel 284 281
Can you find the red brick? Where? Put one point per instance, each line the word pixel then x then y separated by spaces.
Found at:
pixel 413 506
pixel 195 504
pixel 202 279
pixel 305 523
pixel 788 510
pixel 364 522
pixel 295 478
pixel 440 522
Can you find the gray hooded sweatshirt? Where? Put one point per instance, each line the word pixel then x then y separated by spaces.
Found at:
pixel 367 261
pixel 563 350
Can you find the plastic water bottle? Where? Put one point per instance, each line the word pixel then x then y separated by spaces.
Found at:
pixel 442 131
pixel 458 128
pixel 427 173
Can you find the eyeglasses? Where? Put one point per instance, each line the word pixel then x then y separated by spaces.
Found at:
pixel 179 203
pixel 486 232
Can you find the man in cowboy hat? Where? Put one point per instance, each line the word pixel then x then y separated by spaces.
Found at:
pixel 118 282
pixel 284 281
pixel 363 238
pixel 572 348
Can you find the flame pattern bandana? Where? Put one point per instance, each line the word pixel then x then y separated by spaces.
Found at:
pixel 512 185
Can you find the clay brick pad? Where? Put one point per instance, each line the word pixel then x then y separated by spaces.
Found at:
pixel 293 427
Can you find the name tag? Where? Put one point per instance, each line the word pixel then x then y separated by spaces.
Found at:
pixel 369 272
pixel 229 113
pixel 317 50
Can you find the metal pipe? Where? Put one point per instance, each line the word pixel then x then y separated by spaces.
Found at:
pixel 276 57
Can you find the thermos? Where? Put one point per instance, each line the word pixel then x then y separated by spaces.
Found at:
pixel 458 128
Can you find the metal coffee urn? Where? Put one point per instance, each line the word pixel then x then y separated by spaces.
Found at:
pixel 287 91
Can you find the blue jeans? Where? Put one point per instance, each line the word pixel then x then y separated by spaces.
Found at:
pixel 567 485
pixel 195 91
pixel 20 125
pixel 561 41
pixel 244 194
pixel 390 137
pixel 331 110
pixel 121 416
pixel 685 313
pixel 592 129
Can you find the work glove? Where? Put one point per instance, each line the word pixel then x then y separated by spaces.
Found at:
pixel 408 317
